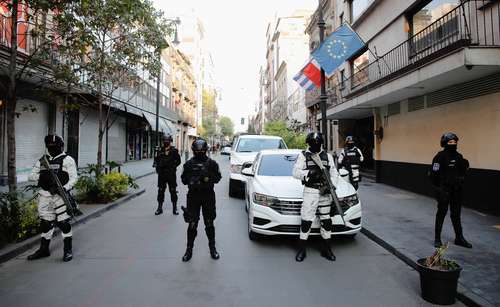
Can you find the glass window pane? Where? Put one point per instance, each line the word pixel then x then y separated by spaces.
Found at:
pixel 277 165
pixel 252 145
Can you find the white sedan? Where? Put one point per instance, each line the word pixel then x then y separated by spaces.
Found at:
pixel 274 197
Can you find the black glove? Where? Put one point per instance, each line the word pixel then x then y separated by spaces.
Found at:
pixel 314 175
pixel 53 190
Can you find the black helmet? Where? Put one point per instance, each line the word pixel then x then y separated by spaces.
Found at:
pixel 448 136
pixel 199 146
pixel 314 138
pixel 168 138
pixel 53 140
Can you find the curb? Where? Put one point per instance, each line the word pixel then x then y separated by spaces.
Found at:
pixel 33 241
pixel 145 175
pixel 463 295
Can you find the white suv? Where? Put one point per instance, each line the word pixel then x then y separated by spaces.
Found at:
pixel 274 198
pixel 245 149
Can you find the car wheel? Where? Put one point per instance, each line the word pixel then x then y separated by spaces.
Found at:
pixel 232 190
pixel 252 235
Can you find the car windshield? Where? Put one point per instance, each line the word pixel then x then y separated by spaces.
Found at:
pixel 253 145
pixel 277 165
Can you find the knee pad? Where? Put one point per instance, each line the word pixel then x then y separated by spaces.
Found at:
pixel 305 226
pixel 208 222
pixel 193 226
pixel 46 226
pixel 65 226
pixel 327 224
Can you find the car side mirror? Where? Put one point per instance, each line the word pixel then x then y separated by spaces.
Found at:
pixel 343 172
pixel 247 171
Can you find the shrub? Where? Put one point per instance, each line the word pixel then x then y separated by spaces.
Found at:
pixel 94 187
pixel 28 220
pixel 292 139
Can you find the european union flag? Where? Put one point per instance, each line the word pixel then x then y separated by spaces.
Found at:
pixel 337 48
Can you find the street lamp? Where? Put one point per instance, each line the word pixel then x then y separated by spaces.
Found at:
pixel 175 22
pixel 323 97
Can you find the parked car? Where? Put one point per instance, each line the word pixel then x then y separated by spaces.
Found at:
pixel 274 197
pixel 245 148
pixel 226 150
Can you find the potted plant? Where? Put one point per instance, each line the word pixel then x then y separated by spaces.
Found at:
pixel 439 278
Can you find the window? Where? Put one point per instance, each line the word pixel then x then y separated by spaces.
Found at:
pixel 425 36
pixel 277 165
pixel 253 145
pixel 342 78
pixel 341 19
pixel 359 74
pixel 358 7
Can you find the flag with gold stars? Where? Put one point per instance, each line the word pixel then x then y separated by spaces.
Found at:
pixel 337 48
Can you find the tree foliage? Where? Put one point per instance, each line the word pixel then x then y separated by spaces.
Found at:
pixel 226 126
pixel 110 43
pixel 292 139
pixel 209 114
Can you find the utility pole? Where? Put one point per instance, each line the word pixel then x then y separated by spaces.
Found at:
pixel 322 97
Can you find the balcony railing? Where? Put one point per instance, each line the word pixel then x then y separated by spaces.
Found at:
pixel 472 23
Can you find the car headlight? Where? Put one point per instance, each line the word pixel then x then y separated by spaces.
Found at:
pixel 236 168
pixel 264 200
pixel 350 200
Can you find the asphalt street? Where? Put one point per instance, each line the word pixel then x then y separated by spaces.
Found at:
pixel 129 257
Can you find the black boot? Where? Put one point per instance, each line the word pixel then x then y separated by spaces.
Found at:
pixel 213 252
pixel 174 206
pixel 326 251
pixel 438 243
pixel 301 254
pixel 42 252
pixel 188 254
pixel 460 241
pixel 68 249
pixel 159 210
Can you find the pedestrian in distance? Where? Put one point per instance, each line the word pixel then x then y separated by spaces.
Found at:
pixel 166 161
pixel 317 195
pixel 200 174
pixel 350 158
pixel 52 209
pixel 447 176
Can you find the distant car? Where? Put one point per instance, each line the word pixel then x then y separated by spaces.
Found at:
pixel 226 150
pixel 274 197
pixel 245 148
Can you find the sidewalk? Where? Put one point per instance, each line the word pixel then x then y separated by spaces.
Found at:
pixel 405 222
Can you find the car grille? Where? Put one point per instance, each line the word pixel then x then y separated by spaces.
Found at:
pixel 287 207
pixel 296 228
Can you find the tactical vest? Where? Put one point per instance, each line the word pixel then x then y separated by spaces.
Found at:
pixel 351 158
pixel 311 165
pixel 200 179
pixel 451 172
pixel 45 181
pixel 166 159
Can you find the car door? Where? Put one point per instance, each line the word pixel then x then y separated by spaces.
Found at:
pixel 249 185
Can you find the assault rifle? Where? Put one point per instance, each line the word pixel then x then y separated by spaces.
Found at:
pixel 71 206
pixel 331 187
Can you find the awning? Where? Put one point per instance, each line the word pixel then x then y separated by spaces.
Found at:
pixel 152 120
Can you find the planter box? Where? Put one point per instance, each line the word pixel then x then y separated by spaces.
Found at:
pixel 438 287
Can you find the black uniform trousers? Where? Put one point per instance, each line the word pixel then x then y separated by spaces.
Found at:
pixel 171 181
pixel 204 201
pixel 452 198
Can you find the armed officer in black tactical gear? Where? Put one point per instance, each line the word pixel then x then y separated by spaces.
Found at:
pixel 350 158
pixel 166 162
pixel 317 197
pixel 200 173
pixel 51 206
pixel 447 176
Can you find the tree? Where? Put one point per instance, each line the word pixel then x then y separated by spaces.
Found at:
pixel 226 126
pixel 32 46
pixel 209 114
pixel 112 42
pixel 292 139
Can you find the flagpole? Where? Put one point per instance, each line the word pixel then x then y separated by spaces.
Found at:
pixel 322 97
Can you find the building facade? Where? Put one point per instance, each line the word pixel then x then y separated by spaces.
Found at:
pixel 429 67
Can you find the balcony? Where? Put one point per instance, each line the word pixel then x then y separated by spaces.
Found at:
pixel 471 24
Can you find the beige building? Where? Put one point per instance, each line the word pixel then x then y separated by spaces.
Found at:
pixel 430 67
